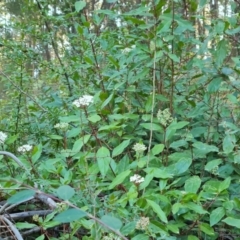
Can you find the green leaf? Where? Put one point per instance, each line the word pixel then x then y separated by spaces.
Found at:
pixel 70 215
pixel 94 118
pixel 216 215
pixel 77 146
pixel 79 5
pixel 234 222
pixel 25 225
pixel 205 148
pixel 212 164
pixel 202 3
pixel 178 125
pixel 120 148
pixel 36 154
pixel 65 192
pixel 182 165
pixel 192 184
pixel 221 51
pixel 119 179
pixel 112 222
pixel 54 136
pixel 214 85
pixel 191 237
pixel 161 173
pixel 225 184
pixel 158 148
pixel 157 209
pixel 21 196
pixel 195 207
pixel 206 229
pixel 153 126
pixel 128 228
pixel 107 101
pixel 141 237
pixel 42 237
pixel 103 160
pixel 174 57
pixel 229 143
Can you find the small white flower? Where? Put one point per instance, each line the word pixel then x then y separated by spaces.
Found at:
pixel 164 117
pixel 25 148
pixel 142 223
pixel 127 49
pixel 136 178
pixel 62 126
pixel 85 100
pixel 139 147
pixel 3 137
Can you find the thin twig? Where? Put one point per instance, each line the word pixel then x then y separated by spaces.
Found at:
pixel 17 160
pixel 12 227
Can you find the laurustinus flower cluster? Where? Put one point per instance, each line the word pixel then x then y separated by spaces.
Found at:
pixel 3 137
pixel 136 179
pixel 164 117
pixel 83 101
pixel 25 148
pixel 62 126
pixel 139 147
pixel 142 223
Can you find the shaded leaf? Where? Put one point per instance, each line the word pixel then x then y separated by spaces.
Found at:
pixel 119 179
pixel 112 222
pixel 157 209
pixel 21 196
pixel 69 215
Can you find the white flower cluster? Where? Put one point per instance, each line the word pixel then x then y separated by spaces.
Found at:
pixel 111 236
pixel 3 137
pixel 25 148
pixel 142 223
pixel 164 117
pixel 139 147
pixel 83 101
pixel 136 179
pixel 127 49
pixel 63 126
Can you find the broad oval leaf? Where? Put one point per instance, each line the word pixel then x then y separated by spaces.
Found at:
pixel 103 160
pixel 229 143
pixel 120 148
pixel 79 5
pixel 205 148
pixel 182 165
pixel 77 146
pixel 206 229
pixel 192 184
pixel 234 222
pixel 216 215
pixel 225 184
pixel 65 192
pixel 157 209
pixel 112 222
pixel 21 196
pixel 158 148
pixel 70 215
pixel 94 118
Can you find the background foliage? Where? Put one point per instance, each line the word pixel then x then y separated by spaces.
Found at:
pixel 135 58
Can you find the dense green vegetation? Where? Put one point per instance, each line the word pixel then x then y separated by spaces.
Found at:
pixel 123 117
